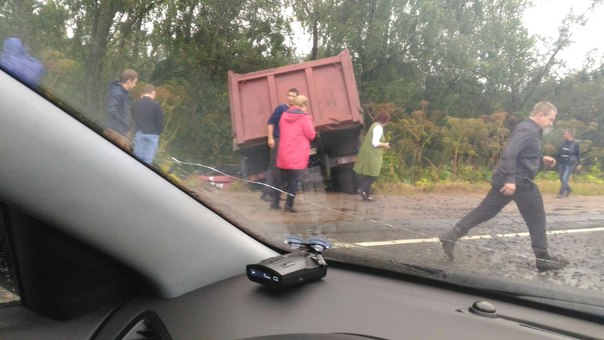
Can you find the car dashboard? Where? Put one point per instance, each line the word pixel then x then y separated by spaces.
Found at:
pixel 347 304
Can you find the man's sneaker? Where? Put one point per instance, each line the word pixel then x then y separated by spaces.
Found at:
pixel 549 262
pixel 448 240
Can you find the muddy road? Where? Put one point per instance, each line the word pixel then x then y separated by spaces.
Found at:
pixel 405 227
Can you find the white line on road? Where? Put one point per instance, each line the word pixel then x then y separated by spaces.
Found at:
pixel 477 237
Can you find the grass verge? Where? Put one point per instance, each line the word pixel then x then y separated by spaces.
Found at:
pixel 546 187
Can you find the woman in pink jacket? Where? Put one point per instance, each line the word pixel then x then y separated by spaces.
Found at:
pixel 297 132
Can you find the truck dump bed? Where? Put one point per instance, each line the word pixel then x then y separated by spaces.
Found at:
pixel 329 84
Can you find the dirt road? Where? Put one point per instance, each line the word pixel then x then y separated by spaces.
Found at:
pixel 337 207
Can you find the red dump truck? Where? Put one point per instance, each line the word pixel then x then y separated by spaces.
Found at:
pixel 330 85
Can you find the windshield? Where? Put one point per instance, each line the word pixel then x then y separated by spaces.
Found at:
pixel 459 141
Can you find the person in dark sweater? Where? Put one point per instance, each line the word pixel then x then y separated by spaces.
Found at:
pixel 569 159
pixel 513 181
pixel 149 123
pixel 273 135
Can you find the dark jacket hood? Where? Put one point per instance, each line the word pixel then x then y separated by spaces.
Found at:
pixel 116 86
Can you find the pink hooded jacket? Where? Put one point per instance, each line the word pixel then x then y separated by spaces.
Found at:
pixel 297 132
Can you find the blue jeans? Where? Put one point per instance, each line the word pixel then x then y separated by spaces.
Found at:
pixel 565 171
pixel 145 146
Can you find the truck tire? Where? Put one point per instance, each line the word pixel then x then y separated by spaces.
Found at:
pixel 313 180
pixel 345 179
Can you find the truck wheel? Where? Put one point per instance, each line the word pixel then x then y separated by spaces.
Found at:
pixel 346 180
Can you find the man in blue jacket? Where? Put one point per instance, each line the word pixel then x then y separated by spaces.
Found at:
pixel 16 60
pixel 273 135
pixel 117 126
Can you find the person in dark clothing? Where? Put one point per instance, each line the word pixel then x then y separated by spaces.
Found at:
pixel 569 159
pixel 149 123
pixel 117 126
pixel 273 144
pixel 512 180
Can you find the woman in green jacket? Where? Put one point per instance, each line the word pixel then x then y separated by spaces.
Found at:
pixel 369 159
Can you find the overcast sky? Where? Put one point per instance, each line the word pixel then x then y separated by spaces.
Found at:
pixel 542 20
pixel 545 18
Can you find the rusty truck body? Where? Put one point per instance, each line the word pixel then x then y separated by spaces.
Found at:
pixel 330 85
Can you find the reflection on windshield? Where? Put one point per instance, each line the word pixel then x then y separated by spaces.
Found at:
pixel 8 284
pixel 204 93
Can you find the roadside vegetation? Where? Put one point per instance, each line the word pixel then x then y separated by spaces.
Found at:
pixel 546 186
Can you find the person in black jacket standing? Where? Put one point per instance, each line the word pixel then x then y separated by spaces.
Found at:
pixel 513 181
pixel 149 122
pixel 569 159
pixel 117 126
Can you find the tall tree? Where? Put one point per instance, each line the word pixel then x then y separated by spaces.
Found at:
pixel 466 57
pixel 201 41
pixel 95 25
pixel 313 14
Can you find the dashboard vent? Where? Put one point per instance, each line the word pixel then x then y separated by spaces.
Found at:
pixel 146 326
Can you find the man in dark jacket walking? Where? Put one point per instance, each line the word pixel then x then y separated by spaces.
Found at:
pixel 149 122
pixel 513 181
pixel 117 125
pixel 569 159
